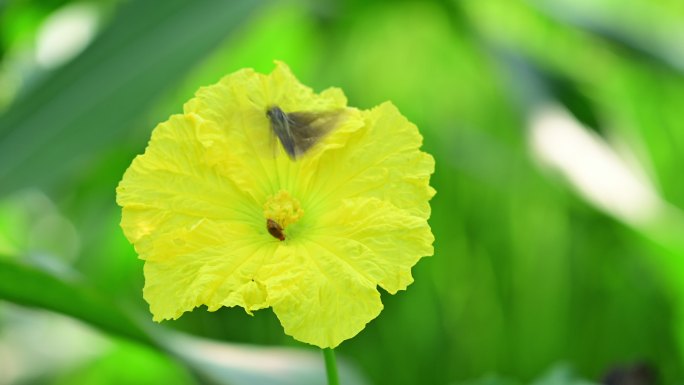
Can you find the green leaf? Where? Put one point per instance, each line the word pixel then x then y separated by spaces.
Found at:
pixel 30 286
pixel 98 98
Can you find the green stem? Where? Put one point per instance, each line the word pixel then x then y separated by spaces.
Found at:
pixel 331 366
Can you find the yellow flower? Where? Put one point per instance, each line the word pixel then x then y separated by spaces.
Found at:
pixel 223 216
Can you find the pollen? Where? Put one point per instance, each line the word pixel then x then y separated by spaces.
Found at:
pixel 283 209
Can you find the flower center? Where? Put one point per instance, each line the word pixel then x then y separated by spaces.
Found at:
pixel 280 211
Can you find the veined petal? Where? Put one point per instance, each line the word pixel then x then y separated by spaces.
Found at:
pixel 382 160
pixel 379 241
pixel 319 298
pixel 189 222
pixel 211 263
pixel 172 186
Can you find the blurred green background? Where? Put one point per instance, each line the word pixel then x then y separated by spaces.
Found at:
pixel 557 130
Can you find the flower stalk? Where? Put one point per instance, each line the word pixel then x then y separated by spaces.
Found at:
pixel 331 366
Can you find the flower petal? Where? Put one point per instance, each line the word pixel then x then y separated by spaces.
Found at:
pixel 323 287
pixel 189 223
pixel 171 185
pixel 382 160
pixel 318 298
pixel 380 241
pixel 211 263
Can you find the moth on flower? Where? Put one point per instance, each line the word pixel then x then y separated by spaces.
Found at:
pixel 299 131
pixel 310 230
